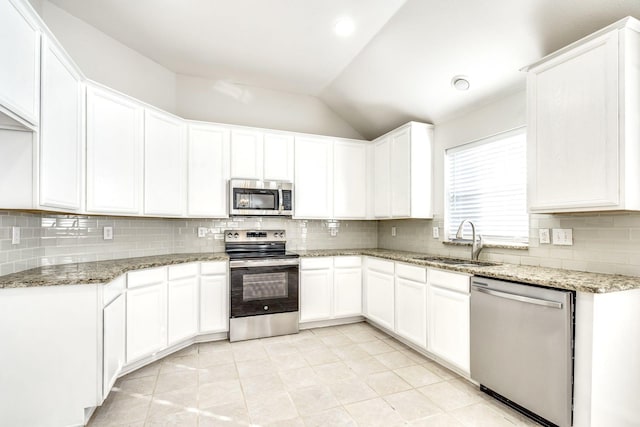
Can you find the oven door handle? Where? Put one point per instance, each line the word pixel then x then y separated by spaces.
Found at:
pixel 264 263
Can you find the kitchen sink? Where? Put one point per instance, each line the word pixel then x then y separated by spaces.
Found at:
pixel 455 261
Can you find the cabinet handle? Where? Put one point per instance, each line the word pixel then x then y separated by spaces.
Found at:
pixel 520 298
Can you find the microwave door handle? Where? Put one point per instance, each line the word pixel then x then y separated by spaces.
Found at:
pixel 281 205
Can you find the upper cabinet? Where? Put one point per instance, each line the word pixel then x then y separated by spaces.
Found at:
pixel 114 153
pixel 20 72
pixel 349 179
pixel 61 132
pixel 164 164
pixel 582 124
pixel 313 178
pixel 402 172
pixel 208 170
pixel 261 155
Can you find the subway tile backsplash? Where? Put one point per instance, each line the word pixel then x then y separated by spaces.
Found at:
pixel 48 239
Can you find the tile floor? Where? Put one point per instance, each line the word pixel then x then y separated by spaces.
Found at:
pixel 351 375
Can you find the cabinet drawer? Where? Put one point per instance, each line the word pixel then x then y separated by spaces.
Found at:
pixel 182 271
pixel 113 289
pixel 447 280
pixel 316 263
pixel 151 276
pixel 380 265
pixel 218 267
pixel 411 272
pixel 347 261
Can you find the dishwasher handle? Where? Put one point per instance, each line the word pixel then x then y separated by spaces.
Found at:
pixel 520 298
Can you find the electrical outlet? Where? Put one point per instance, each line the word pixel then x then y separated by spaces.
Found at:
pixel 393 231
pixel 107 233
pixel 436 232
pixel 202 231
pixel 563 236
pixel 545 238
pixel 15 235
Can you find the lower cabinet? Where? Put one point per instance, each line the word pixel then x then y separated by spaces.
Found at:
pixel 411 303
pixel 448 317
pixel 214 297
pixel 347 285
pixel 146 313
pixel 182 302
pixel 113 342
pixel 380 295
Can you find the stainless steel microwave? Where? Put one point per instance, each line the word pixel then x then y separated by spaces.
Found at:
pixel 252 197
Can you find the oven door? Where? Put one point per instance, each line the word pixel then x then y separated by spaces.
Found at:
pixel 263 289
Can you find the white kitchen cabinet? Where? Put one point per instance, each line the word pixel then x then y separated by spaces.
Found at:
pixel 448 317
pixel 246 154
pixel 380 295
pixel 146 313
pixel 582 126
pixel 208 171
pixel 313 178
pixel 316 289
pixel 402 172
pixel 164 164
pixel 277 162
pixel 113 342
pixel 214 297
pixel 61 150
pixel 349 179
pixel 182 302
pixel 114 153
pixel 411 303
pixel 347 286
pixel 20 73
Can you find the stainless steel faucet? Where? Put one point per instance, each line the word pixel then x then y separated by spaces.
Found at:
pixel 476 245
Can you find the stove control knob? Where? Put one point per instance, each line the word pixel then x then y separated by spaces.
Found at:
pixel 235 235
pixel 229 235
pixel 266 307
pixel 281 234
pixel 275 234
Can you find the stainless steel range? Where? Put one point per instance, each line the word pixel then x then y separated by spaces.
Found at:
pixel 264 284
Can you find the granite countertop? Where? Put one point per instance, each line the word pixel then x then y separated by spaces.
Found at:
pixel 99 271
pixel 105 271
pixel 551 277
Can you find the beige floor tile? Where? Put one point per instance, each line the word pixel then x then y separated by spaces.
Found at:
pixel 245 355
pixel 187 351
pixel 335 417
pixel 374 413
pixel 227 415
pixel 376 347
pixel 448 396
pixel 438 420
pixel 180 364
pixel 352 391
pixel 482 415
pixel 415 356
pixel 207 347
pixel 387 382
pixel 418 375
pixel 122 409
pixel 299 378
pixel 251 368
pixel 445 373
pixel 412 405
pixel 270 408
pixel 217 373
pixel 220 393
pixel 324 332
pixel 177 419
pixel 394 360
pixel 176 380
pixel 289 361
pixel 170 405
pixel 366 366
pixel 361 336
pixel 309 343
pixel 337 340
pixel 275 349
pixel 267 383
pixel 141 385
pixel 397 345
pixel 293 422
pixel 350 352
pixel 313 399
pixel 215 358
pixel 334 372
pixel 320 357
pixel 145 371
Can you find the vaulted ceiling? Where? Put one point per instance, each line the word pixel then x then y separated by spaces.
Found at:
pixel 397 65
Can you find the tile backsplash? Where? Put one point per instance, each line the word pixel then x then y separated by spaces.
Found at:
pixel 48 239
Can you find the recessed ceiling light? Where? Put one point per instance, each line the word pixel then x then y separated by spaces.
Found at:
pixel 460 82
pixel 344 27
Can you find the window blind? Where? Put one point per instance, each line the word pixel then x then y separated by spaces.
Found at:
pixel 487 184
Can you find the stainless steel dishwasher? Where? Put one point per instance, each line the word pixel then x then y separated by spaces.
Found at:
pixel 522 347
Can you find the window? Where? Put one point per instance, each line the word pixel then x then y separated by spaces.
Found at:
pixel 487 184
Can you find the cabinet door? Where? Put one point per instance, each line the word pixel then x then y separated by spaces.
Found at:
pixel 382 179
pixel 164 164
pixel 347 292
pixel 278 157
pixel 314 176
pixel 349 180
pixel 214 303
pixel 380 298
pixel 573 141
pixel 20 73
pixel 208 168
pixel 114 153
pixel 61 140
pixel 246 154
pixel 401 173
pixel 411 311
pixel 315 294
pixel 146 321
pixel 182 300
pixel 113 343
pixel 449 326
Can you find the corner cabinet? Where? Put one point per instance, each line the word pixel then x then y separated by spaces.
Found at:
pixel 582 125
pixel 403 172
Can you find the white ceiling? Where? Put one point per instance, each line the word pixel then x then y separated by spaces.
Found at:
pixel 396 67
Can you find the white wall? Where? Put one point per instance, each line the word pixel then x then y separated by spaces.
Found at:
pixel 108 61
pixel 226 102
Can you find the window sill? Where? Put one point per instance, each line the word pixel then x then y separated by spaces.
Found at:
pixel 517 246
